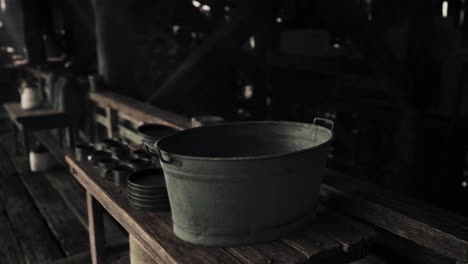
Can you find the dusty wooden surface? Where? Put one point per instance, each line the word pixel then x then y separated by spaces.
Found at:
pixel 72 192
pixel 10 251
pixel 36 119
pixel 39 219
pixel 25 220
pixel 15 110
pixel 444 232
pixel 153 231
pixel 139 110
pixel 437 230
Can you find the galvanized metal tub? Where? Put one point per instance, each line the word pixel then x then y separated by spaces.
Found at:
pixel 235 184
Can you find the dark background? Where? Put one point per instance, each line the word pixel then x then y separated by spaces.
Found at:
pixel 391 74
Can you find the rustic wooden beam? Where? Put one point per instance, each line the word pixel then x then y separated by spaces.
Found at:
pixel 25 219
pixel 95 229
pixel 129 134
pixel 10 252
pixel 139 110
pixel 85 256
pixel 101 119
pixel 128 120
pixel 154 231
pixel 111 119
pixel 428 226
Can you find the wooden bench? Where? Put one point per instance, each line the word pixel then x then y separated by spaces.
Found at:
pixel 331 236
pixel 414 224
pixel 28 121
pixel 122 115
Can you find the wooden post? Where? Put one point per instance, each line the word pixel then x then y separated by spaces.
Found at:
pixel 27 147
pixel 95 229
pixel 15 136
pixel 111 115
pixel 93 124
pixel 73 135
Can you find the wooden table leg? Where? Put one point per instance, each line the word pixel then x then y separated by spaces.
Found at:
pixel 15 138
pixel 72 136
pixel 95 229
pixel 60 132
pixel 27 147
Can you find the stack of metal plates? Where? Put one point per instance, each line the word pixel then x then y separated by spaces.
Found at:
pixel 147 190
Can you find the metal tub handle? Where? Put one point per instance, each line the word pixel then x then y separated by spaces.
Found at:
pixel 169 161
pixel 324 123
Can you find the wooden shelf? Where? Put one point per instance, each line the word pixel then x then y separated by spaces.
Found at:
pixel 329 235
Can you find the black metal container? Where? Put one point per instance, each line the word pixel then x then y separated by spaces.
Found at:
pixel 107 142
pixel 82 151
pixel 105 165
pixel 147 190
pixel 97 155
pixel 141 154
pixel 245 182
pixel 150 133
pixel 120 174
pixel 119 150
pixel 140 164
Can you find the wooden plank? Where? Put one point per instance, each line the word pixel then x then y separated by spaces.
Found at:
pixel 396 249
pixel 147 224
pixel 51 142
pixel 353 236
pixel 111 120
pixel 71 191
pixel 96 229
pixel 272 252
pixel 140 111
pixel 81 258
pixel 72 202
pixel 115 252
pixel 150 230
pixel 75 197
pixel 10 252
pixel 368 260
pixel 128 120
pixel 63 224
pixel 16 112
pixel 439 230
pixel 332 234
pixel 124 260
pixel 26 221
pixel 101 119
pixel 129 134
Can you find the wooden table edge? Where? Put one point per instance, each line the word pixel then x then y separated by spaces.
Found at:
pixel 118 213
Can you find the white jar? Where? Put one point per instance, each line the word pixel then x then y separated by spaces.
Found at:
pixel 30 97
pixel 40 161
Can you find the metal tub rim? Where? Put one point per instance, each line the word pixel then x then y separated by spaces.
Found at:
pixel 162 141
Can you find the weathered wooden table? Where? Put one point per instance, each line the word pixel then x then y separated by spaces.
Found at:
pixel 330 236
pixel 28 121
pixel 431 234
